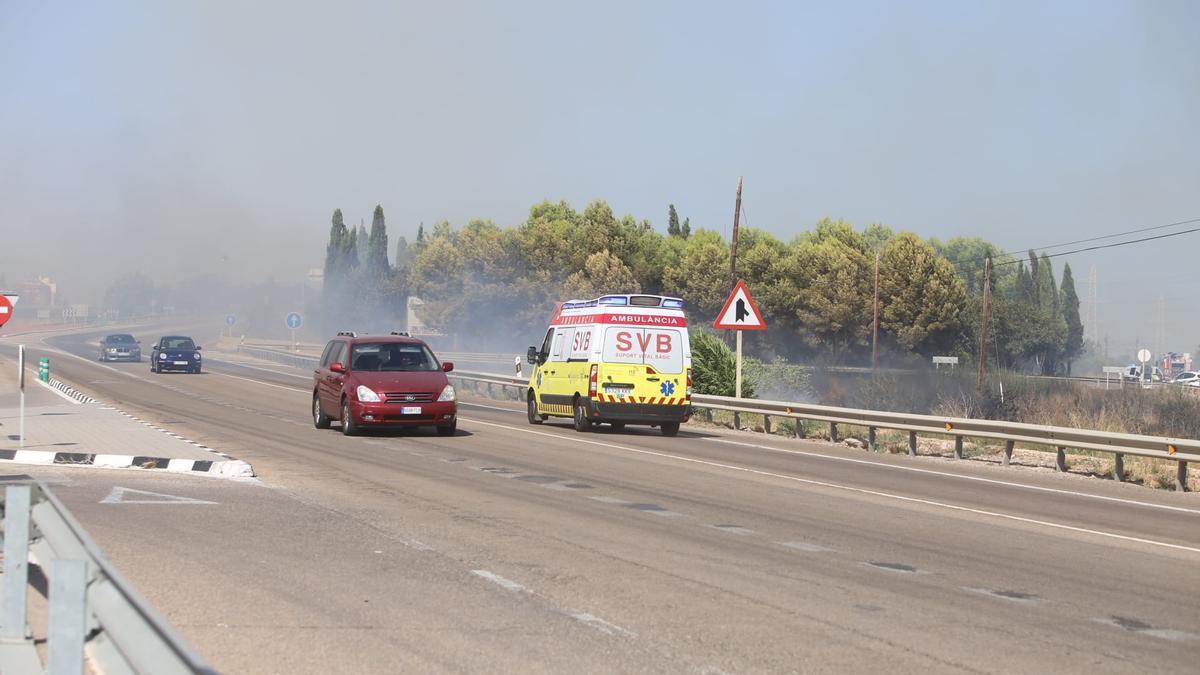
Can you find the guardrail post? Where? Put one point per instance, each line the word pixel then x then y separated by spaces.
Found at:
pixel 799 428
pixel 737 421
pixel 766 424
pixel 1181 477
pixel 833 432
pixel 958 447
pixel 1119 467
pixel 912 444
pixel 871 439
pixel 16 562
pixel 1008 448
pixel 1060 460
pixel 68 616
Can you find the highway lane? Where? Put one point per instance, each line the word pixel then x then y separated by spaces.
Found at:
pixel 692 553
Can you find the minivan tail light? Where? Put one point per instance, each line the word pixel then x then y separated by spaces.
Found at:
pixel 593 379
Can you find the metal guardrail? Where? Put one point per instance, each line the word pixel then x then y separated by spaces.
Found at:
pixel 1179 450
pixel 92 608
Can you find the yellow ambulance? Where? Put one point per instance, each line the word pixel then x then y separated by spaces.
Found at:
pixel 617 359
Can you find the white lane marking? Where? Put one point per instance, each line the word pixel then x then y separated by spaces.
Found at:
pixel 733 529
pixel 993 481
pixel 803 546
pixel 489 407
pixel 61 394
pixel 265 384
pixel 238 364
pixel 507 584
pixel 117 496
pixel 600 624
pixel 847 488
pixel 610 500
pixel 589 620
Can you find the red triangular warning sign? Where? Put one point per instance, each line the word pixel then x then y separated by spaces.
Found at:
pixel 740 311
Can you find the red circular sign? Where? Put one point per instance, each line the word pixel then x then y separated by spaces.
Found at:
pixel 6 310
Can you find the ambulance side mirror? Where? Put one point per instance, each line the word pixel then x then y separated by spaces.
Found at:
pixel 531 356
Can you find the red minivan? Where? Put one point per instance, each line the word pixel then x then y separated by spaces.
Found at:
pixel 378 381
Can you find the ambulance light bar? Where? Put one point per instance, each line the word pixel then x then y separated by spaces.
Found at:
pixel 625 301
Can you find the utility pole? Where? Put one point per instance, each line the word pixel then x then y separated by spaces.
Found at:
pixel 733 244
pixel 987 281
pixel 875 317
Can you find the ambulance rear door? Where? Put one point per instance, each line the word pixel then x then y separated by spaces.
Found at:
pixel 644 364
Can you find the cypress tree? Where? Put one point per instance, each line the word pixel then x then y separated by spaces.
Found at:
pixel 1070 311
pixel 335 262
pixel 377 260
pixel 673 229
pixel 686 230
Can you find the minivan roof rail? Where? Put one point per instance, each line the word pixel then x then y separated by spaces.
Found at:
pixel 346 333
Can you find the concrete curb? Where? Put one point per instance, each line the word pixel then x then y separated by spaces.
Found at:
pixel 227 467
pixel 71 391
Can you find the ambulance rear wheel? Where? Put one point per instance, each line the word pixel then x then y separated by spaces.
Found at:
pixel 534 417
pixel 582 423
pixel 670 428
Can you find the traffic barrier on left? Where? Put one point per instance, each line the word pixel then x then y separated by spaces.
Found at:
pixel 92 611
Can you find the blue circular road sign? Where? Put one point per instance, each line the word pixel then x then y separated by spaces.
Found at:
pixel 294 321
pixel 230 320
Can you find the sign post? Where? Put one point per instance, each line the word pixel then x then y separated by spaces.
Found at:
pixel 21 385
pixel 229 321
pixel 294 321
pixel 739 313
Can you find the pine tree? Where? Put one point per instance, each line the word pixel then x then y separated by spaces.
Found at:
pixel 686 230
pixel 420 237
pixel 377 260
pixel 1070 310
pixel 673 229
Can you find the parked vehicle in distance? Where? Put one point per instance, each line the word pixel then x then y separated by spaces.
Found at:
pixel 120 347
pixel 382 381
pixel 1187 377
pixel 1135 374
pixel 175 352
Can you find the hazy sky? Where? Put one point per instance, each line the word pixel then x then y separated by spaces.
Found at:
pixel 162 136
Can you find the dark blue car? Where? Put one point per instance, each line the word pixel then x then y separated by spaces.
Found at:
pixel 175 352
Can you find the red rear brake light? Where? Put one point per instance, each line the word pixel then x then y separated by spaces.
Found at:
pixel 592 381
pixel 689 383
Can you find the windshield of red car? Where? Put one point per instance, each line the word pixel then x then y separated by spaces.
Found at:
pixel 392 357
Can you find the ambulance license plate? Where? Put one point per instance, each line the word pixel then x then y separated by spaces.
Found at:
pixel 619 392
pixel 410 410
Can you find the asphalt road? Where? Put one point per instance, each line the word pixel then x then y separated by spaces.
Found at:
pixel 512 547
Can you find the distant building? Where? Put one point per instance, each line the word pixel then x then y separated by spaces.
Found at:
pixel 315 278
pixel 39 292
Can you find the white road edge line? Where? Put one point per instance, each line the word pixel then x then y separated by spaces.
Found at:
pixel 980 479
pixel 847 488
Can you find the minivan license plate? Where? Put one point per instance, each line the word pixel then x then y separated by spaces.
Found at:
pixel 410 410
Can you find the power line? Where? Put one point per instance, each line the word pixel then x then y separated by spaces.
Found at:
pixel 1115 245
pixel 979 261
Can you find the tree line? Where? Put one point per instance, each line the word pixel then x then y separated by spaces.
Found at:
pixel 493 287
